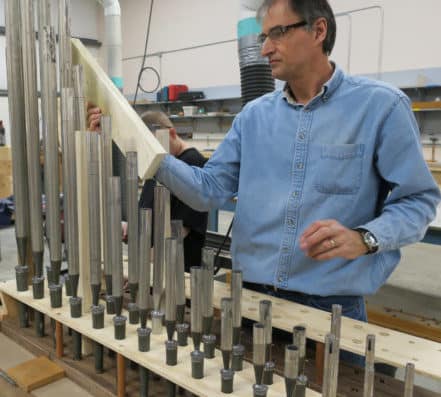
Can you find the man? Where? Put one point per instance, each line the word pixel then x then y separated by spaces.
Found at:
pixel 328 172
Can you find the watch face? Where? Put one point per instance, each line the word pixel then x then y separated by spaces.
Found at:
pixel 370 240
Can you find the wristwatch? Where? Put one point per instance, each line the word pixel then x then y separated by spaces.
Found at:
pixel 369 240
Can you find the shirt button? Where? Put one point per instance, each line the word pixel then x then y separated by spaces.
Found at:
pixel 301 136
pixel 295 194
pixel 280 279
pixel 300 166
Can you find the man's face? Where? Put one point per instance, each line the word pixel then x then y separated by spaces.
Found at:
pixel 291 53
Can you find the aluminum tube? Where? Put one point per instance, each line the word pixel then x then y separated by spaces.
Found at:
pixel 93 144
pixel 32 130
pixel 161 196
pixel 170 277
pixel 409 380
pixel 14 63
pixel 292 356
pixel 115 230
pixel 299 340
pixel 226 324
pixel 178 233
pixel 80 102
pixel 64 33
pixel 207 288
pixel 69 174
pixel 195 286
pixel 132 215
pixel 336 331
pixel 44 19
pixel 266 317
pixel 236 295
pixel 369 369
pixel 50 132
pixel 327 368
pixel 106 173
pixel 145 238
pixel 258 351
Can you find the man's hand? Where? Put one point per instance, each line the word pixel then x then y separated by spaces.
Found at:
pixel 93 117
pixel 327 239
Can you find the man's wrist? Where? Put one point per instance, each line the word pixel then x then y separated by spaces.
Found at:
pixel 369 240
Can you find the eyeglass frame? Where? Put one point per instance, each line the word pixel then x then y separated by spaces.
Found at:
pixel 281 31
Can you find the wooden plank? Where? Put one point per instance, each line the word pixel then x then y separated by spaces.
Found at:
pixel 9 390
pixel 35 373
pixel 128 130
pixel 392 347
pixel 393 319
pixel 9 307
pixel 5 186
pixel 153 360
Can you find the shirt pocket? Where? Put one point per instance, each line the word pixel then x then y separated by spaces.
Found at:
pixel 339 168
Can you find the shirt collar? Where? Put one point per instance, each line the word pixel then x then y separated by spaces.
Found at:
pixel 327 90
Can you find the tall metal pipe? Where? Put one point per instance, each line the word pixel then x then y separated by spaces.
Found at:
pixel 236 296
pixel 93 144
pixel 258 351
pixel 132 214
pixel 70 186
pixel 16 101
pixel 409 380
pixel 49 107
pixel 170 286
pixel 178 233
pixel 196 312
pixel 207 289
pixel 145 238
pixel 161 197
pixel 328 380
pixel 299 340
pixel 266 318
pixel 226 330
pixel 79 100
pixel 106 174
pixel 32 133
pixel 336 331
pixel 291 370
pixel 116 249
pixel 64 33
pixel 369 369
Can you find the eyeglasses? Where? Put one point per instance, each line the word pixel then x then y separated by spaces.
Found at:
pixel 277 32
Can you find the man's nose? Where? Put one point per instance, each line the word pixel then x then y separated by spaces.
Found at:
pixel 267 48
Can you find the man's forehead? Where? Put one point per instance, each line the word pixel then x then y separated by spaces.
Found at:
pixel 278 12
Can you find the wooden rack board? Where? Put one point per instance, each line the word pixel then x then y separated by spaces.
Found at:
pixel 128 130
pixel 392 347
pixel 153 360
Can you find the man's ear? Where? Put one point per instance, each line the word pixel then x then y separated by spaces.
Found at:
pixel 321 29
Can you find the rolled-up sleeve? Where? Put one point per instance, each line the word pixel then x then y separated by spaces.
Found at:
pixel 414 195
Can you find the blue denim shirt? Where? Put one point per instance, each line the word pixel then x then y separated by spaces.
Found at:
pixel 351 154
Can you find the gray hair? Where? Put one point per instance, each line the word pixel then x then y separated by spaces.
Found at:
pixel 310 11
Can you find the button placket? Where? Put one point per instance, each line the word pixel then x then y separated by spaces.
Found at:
pixel 298 174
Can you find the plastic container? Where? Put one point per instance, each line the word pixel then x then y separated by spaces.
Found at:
pixel 190 110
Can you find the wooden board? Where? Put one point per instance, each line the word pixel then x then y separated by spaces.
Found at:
pixel 35 373
pixel 128 130
pixel 5 186
pixel 154 360
pixel 392 347
pixel 5 161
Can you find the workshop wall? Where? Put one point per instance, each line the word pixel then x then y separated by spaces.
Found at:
pixel 409 56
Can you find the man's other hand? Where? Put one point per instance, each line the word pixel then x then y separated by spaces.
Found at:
pixel 327 239
pixel 93 117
